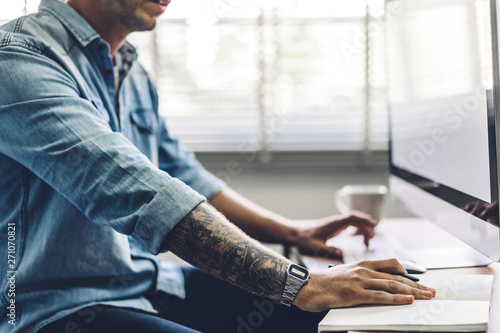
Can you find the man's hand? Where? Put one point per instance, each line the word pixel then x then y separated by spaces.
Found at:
pixel 311 236
pixel 487 212
pixel 308 235
pixel 207 240
pixel 366 282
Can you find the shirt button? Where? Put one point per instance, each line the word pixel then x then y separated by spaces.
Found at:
pixel 109 72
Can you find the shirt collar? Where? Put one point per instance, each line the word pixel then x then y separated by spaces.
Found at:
pixel 124 59
pixel 128 53
pixel 73 21
pixel 81 29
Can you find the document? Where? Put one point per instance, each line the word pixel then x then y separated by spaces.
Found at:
pixel 461 304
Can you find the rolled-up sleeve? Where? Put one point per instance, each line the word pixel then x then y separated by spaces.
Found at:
pixel 158 218
pixel 48 128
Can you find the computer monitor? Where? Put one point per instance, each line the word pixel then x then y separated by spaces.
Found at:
pixel 444 104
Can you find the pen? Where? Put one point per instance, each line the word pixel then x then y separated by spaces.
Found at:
pixel 409 277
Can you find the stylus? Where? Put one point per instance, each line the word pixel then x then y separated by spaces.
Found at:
pixel 409 277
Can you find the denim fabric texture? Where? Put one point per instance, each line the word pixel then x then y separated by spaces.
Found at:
pixel 90 178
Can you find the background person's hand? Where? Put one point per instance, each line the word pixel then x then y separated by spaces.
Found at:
pixel 313 234
pixel 487 212
pixel 365 282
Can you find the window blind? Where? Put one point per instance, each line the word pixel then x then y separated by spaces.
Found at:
pixel 268 76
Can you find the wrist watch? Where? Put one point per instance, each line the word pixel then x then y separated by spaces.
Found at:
pixel 296 277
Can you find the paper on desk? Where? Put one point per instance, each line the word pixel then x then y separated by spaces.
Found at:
pixel 436 315
pixel 466 287
pixel 461 305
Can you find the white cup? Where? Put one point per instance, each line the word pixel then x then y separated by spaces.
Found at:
pixel 363 198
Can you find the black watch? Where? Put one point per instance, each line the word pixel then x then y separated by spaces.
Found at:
pixel 296 277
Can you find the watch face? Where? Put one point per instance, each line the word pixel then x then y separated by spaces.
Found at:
pixel 298 271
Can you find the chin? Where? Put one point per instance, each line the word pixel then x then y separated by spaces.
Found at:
pixel 150 27
pixel 144 23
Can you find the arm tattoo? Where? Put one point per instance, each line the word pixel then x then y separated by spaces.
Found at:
pixel 207 240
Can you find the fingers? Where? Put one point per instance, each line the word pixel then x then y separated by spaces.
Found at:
pixel 323 250
pixel 400 279
pixel 359 219
pixel 385 288
pixel 400 287
pixel 385 269
pixel 367 237
pixel 489 211
pixel 332 226
pixel 381 297
pixel 482 210
pixel 413 285
pixel 387 266
pixel 363 222
pixel 379 291
pixel 360 283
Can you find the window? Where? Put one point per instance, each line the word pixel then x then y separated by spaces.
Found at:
pixel 267 75
pixel 286 77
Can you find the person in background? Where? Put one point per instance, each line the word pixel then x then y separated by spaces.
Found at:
pixel 93 187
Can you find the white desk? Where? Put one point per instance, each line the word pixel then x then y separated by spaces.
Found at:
pixel 413 236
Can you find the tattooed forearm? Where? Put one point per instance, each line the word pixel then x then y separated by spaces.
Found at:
pixel 207 240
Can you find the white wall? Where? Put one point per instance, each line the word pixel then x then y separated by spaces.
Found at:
pixel 308 192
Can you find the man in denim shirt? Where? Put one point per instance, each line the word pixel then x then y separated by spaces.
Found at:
pixel 93 187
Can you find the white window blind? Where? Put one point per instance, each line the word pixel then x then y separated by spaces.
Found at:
pixel 276 75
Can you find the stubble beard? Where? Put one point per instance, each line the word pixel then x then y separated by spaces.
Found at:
pixel 125 12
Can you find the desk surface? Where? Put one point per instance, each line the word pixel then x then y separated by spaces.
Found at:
pixel 411 233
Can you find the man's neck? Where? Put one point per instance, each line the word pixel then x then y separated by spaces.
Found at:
pixel 110 31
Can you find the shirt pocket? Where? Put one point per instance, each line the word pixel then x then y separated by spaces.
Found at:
pixel 143 132
pixel 145 121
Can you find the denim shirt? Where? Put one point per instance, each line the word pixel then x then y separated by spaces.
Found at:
pixel 90 177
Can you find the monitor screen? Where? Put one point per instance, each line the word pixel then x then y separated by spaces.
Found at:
pixel 441 92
